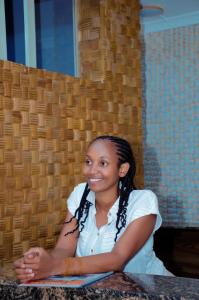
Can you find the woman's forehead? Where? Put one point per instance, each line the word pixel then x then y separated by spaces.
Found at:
pixel 102 147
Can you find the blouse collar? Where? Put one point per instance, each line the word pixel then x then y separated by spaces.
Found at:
pixel 112 214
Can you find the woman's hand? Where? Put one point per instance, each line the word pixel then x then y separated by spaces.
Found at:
pixel 22 272
pixel 36 263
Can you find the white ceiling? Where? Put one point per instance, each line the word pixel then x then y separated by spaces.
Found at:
pixel 176 13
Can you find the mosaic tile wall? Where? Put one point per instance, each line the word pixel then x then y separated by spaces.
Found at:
pixel 171 122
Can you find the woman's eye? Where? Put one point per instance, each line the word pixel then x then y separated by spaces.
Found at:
pixel 88 162
pixel 104 163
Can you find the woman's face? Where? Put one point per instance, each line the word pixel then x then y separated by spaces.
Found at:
pixel 101 167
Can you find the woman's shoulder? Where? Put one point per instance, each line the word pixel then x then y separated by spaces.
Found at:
pixel 141 203
pixel 144 195
pixel 74 199
pixel 79 187
pixel 78 190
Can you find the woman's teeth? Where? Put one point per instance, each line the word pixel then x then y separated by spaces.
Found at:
pixel 94 179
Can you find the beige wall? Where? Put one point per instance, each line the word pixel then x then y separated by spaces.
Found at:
pixel 47 119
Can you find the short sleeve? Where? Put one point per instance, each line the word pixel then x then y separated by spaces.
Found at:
pixel 74 199
pixel 142 203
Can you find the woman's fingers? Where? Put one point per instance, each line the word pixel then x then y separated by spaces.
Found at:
pixel 36 263
pixel 25 277
pixel 32 252
pixel 31 259
pixel 29 268
pixel 31 256
pixel 19 263
pixel 25 271
pixel 25 274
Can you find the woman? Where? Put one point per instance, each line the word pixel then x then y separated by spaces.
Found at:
pixel 109 224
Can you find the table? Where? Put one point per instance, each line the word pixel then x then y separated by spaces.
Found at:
pixel 117 286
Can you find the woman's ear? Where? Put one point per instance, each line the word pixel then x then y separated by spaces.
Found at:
pixel 124 169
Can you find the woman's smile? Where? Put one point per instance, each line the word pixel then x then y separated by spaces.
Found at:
pixel 95 179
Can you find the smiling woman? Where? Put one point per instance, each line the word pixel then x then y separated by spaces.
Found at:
pixel 109 225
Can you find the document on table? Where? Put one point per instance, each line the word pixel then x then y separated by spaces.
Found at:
pixel 67 281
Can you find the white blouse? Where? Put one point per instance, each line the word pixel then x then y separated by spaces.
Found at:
pixel 94 241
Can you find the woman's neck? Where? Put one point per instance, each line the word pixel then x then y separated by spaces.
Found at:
pixel 105 201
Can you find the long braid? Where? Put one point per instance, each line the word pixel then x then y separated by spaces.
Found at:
pixel 126 184
pixel 83 207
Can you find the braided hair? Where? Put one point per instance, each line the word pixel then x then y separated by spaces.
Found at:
pixel 125 185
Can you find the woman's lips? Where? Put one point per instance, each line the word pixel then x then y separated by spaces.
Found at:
pixel 93 180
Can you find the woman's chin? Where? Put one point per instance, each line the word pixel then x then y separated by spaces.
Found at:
pixel 95 186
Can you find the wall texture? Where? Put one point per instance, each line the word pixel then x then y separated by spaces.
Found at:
pixel 47 120
pixel 172 123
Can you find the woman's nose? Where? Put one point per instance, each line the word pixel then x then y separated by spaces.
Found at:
pixel 93 169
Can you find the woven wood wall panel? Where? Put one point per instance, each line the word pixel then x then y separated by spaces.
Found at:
pixel 47 120
pixel 117 62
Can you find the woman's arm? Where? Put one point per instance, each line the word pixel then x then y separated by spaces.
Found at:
pixel 37 257
pixel 131 241
pixel 66 244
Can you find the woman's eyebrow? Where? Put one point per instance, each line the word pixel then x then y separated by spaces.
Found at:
pixel 101 157
pixel 105 157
